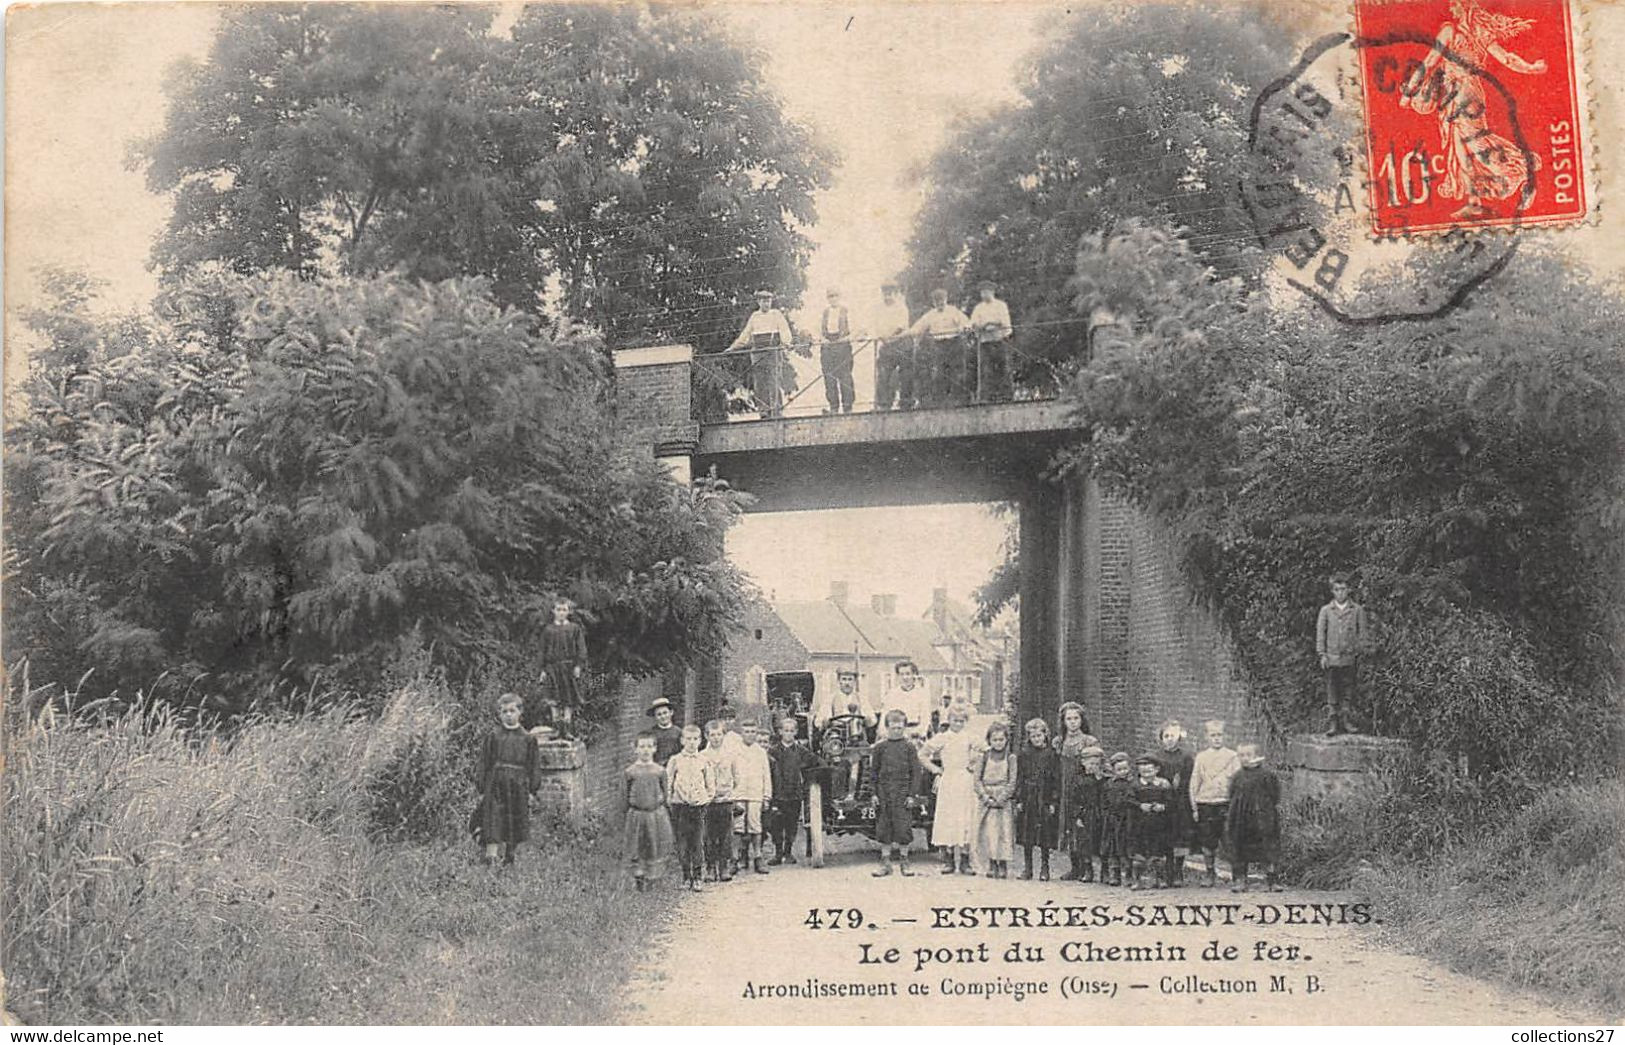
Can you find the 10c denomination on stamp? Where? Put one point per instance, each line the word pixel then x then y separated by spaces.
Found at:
pixel 1472 114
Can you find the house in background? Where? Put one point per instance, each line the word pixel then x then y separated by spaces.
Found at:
pixel 955 658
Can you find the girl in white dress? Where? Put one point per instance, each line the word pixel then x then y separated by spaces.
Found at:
pixel 949 757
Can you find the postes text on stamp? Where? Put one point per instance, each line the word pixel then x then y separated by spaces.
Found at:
pixel 1472 114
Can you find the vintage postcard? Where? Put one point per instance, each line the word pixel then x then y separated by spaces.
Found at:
pixel 929 513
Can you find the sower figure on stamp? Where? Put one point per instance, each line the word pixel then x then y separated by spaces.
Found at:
pixel 894 354
pixel 765 336
pixel 564 661
pixel 1340 638
pixel 835 354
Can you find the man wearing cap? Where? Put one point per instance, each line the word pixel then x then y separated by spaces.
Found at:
pixel 940 337
pixel 765 337
pixel 894 356
pixel 835 354
pixel 846 700
pixel 991 321
pixel 668 735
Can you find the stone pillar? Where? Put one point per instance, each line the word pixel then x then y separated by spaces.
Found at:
pixel 654 397
pixel 1333 768
pixel 562 794
pixel 1041 509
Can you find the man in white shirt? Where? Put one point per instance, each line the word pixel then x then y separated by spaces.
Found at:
pixel 894 356
pixel 940 337
pixel 835 354
pixel 911 699
pixel 765 337
pixel 991 321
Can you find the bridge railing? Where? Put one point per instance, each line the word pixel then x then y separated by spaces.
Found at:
pixel 751 384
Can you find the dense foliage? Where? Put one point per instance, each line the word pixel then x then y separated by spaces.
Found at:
pixel 277 481
pixel 626 157
pixel 1466 471
pixel 1136 110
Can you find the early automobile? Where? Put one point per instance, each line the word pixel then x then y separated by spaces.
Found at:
pixel 840 794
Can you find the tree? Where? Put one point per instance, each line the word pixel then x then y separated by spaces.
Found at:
pixel 225 509
pixel 1137 111
pixel 674 186
pixel 627 153
pixel 1467 470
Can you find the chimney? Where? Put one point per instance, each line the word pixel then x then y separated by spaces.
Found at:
pixel 939 609
pixel 884 605
pixel 838 591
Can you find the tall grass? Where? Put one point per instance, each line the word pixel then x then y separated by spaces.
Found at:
pixel 303 869
pixel 1534 898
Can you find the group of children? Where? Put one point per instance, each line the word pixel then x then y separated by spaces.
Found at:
pixel 1138 817
pixel 720 802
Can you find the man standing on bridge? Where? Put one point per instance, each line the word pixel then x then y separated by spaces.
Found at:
pixel 765 337
pixel 940 334
pixel 894 355
pixel 991 321
pixel 835 354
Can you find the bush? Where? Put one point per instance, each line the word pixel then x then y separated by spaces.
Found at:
pixel 263 489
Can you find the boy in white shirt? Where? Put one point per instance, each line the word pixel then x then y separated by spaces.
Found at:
pixel 1210 794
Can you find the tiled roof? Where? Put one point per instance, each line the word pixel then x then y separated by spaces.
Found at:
pixel 824 629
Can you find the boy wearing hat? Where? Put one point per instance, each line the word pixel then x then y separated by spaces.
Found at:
pixel 1153 801
pixel 835 354
pixel 894 357
pixel 991 321
pixel 668 735
pixel 765 335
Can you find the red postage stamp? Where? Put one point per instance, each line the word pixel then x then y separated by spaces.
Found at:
pixel 1472 113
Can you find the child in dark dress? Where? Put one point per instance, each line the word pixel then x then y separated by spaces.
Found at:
pixel 564 661
pixel 1174 765
pixel 1253 821
pixel 1038 793
pixel 648 822
pixel 894 770
pixel 507 774
pixel 1151 817
pixel 1116 806
pixel 1086 805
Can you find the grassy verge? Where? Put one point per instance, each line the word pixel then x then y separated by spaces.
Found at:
pixel 155 874
pixel 1537 902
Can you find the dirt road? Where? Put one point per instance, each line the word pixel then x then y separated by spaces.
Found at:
pixel 744 953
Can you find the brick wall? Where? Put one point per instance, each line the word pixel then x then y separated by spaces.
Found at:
pixel 611 752
pixel 1151 652
pixel 654 401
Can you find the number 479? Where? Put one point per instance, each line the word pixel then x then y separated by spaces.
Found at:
pixel 834 918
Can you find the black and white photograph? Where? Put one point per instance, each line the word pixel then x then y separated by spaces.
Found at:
pixel 900 513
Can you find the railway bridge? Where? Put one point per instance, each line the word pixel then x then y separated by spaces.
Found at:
pixel 1105 617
